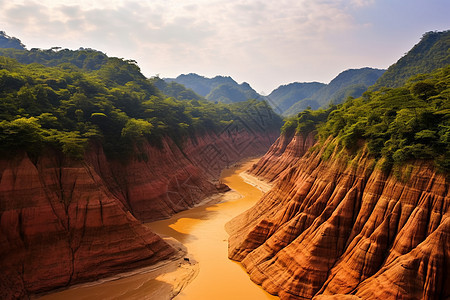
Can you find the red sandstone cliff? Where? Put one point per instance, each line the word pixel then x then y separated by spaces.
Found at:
pixel 342 229
pixel 285 152
pixel 63 222
pixel 171 179
pixel 60 225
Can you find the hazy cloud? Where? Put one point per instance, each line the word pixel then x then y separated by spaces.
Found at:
pixel 250 40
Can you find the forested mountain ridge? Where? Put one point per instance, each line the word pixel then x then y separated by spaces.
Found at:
pixel 64 98
pixel 285 96
pixel 286 99
pixel 10 42
pixel 432 52
pixel 84 58
pixel 349 83
pixel 360 203
pixel 217 89
pixel 398 124
pixel 176 90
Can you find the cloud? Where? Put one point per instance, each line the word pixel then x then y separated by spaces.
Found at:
pixel 242 38
pixel 362 3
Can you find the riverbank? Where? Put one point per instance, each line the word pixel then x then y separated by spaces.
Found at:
pixel 262 185
pixel 202 231
pixel 163 280
pixel 201 269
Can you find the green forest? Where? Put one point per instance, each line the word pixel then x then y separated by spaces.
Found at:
pixel 64 99
pixel 411 122
pixel 430 53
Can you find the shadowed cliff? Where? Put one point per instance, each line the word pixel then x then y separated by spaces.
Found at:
pixel 65 221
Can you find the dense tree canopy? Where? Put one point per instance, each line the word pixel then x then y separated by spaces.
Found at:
pixel 399 124
pixel 86 59
pixel 306 121
pixel 64 105
pixel 411 122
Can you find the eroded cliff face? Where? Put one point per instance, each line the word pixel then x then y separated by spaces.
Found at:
pixel 60 225
pixel 64 222
pixel 164 180
pixel 284 153
pixel 343 229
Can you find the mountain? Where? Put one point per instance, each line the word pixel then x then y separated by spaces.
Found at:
pixel 350 83
pixel 360 202
pixel 218 89
pixel 174 89
pixel 89 150
pixel 433 51
pixel 10 42
pixel 430 53
pixel 285 96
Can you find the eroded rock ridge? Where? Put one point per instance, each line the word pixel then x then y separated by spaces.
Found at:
pixel 341 228
pixel 64 221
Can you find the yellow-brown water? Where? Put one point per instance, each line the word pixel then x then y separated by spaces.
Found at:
pixel 202 231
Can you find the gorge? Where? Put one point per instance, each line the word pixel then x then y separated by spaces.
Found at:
pixel 98 167
pixel 73 219
pixel 337 227
pixel 201 230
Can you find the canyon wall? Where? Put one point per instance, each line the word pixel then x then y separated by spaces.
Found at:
pixel 284 153
pixel 64 221
pixel 161 181
pixel 341 228
pixel 60 225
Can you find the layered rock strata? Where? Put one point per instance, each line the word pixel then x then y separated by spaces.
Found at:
pixel 341 228
pixel 64 221
pixel 285 152
pixel 163 180
pixel 60 225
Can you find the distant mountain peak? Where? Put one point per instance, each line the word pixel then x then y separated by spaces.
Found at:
pixel 295 97
pixel 7 41
pixel 219 88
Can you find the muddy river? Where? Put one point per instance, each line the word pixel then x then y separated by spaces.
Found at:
pixel 201 230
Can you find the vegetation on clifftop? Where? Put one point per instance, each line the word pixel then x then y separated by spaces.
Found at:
pixel 399 124
pixel 63 98
pixel 411 122
pixel 306 121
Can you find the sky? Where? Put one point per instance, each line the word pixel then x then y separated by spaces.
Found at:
pixel 264 43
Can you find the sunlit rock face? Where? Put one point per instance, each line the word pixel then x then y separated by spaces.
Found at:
pixel 60 225
pixel 340 228
pixel 285 152
pixel 64 221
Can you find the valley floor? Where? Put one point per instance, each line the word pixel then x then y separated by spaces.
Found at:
pixel 202 269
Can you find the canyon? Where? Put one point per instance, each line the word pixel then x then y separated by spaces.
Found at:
pixel 338 227
pixel 65 221
pixel 333 227
pixel 98 168
pixel 205 272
